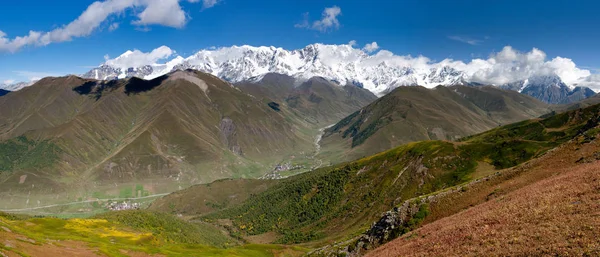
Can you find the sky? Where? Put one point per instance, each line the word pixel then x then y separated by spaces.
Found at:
pixel 48 38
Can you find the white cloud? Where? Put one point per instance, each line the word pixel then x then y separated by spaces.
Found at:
pixel 162 12
pixel 137 58
pixel 305 24
pixel 113 26
pixel 327 22
pixel 466 40
pixel 510 65
pixel 209 3
pixel 592 81
pixel 371 47
pixel 153 12
pixel 8 82
pixel 506 66
pixel 352 43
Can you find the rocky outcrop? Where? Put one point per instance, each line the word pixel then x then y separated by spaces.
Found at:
pixel 391 225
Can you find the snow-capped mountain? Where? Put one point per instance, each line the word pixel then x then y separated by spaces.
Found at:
pixel 550 89
pixel 380 72
pixel 340 63
pixel 16 86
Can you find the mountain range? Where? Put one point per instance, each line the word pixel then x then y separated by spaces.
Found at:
pixel 342 64
pixel 379 73
pixel 75 146
pixel 550 89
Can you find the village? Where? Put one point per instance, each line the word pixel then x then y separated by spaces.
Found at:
pixel 120 206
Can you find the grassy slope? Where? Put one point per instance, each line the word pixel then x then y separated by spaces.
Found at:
pixel 580 126
pixel 415 113
pixel 131 233
pixel 207 198
pixel 339 201
pixel 554 212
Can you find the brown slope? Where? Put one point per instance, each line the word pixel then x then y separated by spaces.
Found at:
pixel 502 106
pixel 47 103
pixel 556 216
pixel 522 210
pixel 183 128
pixel 410 114
pixel 316 101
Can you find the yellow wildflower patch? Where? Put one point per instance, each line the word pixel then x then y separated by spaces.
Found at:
pixel 103 228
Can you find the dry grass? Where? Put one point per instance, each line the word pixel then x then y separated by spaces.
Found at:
pixel 512 179
pixel 559 215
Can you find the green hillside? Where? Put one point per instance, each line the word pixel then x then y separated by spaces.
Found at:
pixel 410 114
pixel 342 200
pixel 130 233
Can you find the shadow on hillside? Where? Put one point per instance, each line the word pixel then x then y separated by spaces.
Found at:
pixel 137 85
pixel 95 88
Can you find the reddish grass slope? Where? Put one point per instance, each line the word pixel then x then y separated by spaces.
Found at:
pixel 558 216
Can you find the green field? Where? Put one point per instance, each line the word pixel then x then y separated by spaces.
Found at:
pixel 123 233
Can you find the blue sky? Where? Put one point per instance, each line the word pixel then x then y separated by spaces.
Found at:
pixel 438 29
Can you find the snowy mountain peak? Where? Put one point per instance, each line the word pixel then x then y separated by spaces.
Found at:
pixel 552 80
pixel 379 72
pixel 16 86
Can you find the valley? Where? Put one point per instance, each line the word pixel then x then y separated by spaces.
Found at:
pixel 275 167
pixel 334 203
pixel 214 128
pixel 232 128
pixel 132 138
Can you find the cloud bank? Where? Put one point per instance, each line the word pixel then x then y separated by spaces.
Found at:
pixel 153 12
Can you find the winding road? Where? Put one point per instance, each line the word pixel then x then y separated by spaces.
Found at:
pixel 80 202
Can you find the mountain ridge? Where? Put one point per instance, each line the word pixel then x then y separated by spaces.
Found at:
pixel 380 72
pixel 416 113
